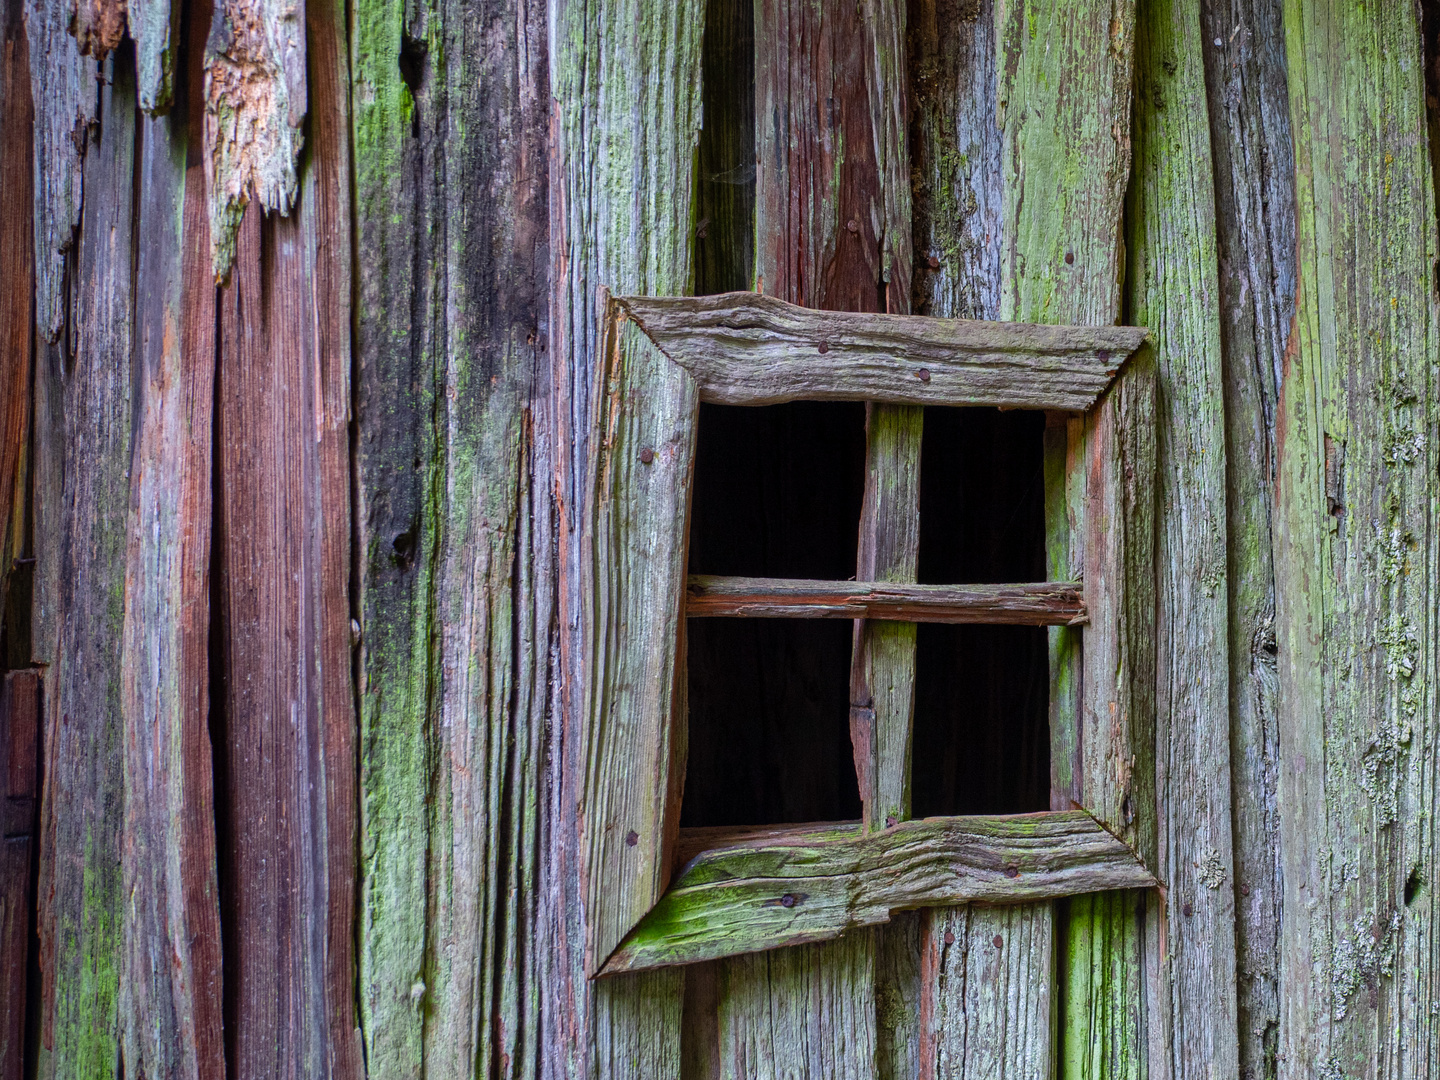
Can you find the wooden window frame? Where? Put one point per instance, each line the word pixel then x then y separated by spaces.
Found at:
pixel 744 890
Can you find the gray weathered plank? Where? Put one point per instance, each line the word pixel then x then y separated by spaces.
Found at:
pixel 64 93
pixel 255 102
pixel 750 349
pixel 623 111
pixel 1358 555
pixel 985 1013
pixel 1255 223
pixel 81 925
pixel 171 1014
pixel 1174 287
pixel 636 537
pixel 765 888
pixel 1050 604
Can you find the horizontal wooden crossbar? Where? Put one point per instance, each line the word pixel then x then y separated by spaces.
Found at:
pixel 749 890
pixel 1047 604
pixel 749 349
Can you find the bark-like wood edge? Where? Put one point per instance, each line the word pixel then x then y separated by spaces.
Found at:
pixel 751 890
pixel 1051 603
pixel 749 349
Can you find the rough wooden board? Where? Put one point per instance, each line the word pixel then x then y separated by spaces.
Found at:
pixel 639 505
pixel 98 25
pixel 1064 110
pixel 1049 604
pixel 898 996
pixel 19 790
pixel 171 1014
pixel 255 102
pixel 1356 554
pixel 1104 1025
pixel 64 92
pixel 811 883
pixel 806 1011
pixel 1255 223
pixel 1174 288
pixel 749 349
pixel 637 1025
pixel 17 267
pixel 81 921
pixel 283 400
pixel 984 1014
pixel 155 29
pixel 725 160
pixel 623 110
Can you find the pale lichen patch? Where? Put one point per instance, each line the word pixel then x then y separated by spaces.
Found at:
pixel 1363 958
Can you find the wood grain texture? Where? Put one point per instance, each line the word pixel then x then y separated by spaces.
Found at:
pixel 1173 286
pixel 748 349
pixel 451 282
pixel 288 710
pixel 255 102
pixel 17 266
pixel 154 27
pixel 625 79
pixel 1255 224
pixel 986 1015
pixel 81 928
pixel 1050 604
pixel 171 1013
pixel 1356 554
pixel 20 709
pixel 822 1024
pixel 765 888
pixel 63 92
pixel 639 504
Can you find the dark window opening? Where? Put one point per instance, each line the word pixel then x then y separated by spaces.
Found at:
pixel 777 493
pixel 981 735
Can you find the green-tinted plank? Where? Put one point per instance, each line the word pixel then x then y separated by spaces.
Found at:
pixel 1356 553
pixel 1173 287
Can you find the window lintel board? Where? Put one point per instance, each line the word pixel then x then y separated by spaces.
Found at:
pixel 660 357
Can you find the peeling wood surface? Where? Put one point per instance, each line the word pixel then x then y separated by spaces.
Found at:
pixel 255 102
pixel 748 349
pixel 1050 604
pixel 1255 224
pixel 64 91
pixel 171 1014
pixel 1174 288
pixel 1356 554
pixel 19 799
pixel 765 888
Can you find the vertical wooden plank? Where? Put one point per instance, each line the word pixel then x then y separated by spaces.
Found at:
pixel 1174 287
pixel 171 1020
pixel 807 1010
pixel 289 759
pixel 1063 101
pixel 453 650
pixel 1255 223
pixel 982 1015
pixel 64 93
pixel 81 921
pixel 17 266
pixel 1356 554
pixel 625 81
pixel 19 792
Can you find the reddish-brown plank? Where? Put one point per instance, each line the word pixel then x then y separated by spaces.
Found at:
pixel 19 785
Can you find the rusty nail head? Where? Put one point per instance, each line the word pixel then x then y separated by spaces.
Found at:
pixel 823 347
pixel 999 941
pixel 853 225
pixel 788 900
pixel 1188 910
pixel 949 938
pixel 1012 871
pixel 889 821
pixel 923 374
pixel 1103 355
pixel 933 263
pixel 632 838
pixel 1069 258
pixel 647 455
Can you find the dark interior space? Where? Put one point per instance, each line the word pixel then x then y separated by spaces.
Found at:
pixel 777 494
pixel 981 737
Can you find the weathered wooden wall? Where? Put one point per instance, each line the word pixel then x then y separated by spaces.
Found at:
pixel 298 367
